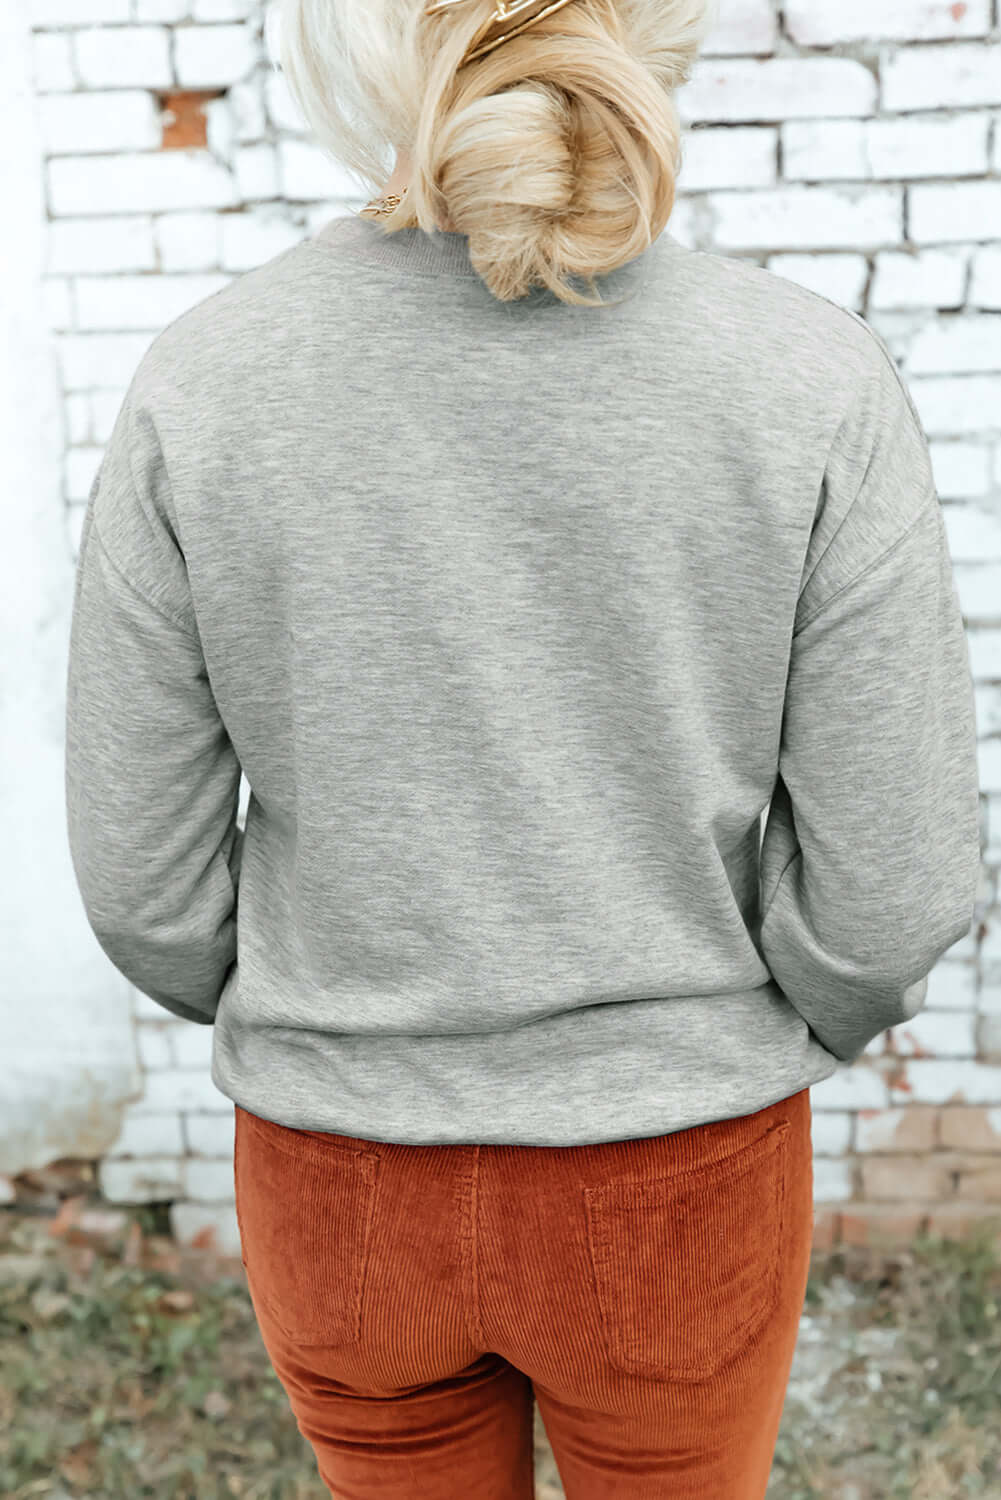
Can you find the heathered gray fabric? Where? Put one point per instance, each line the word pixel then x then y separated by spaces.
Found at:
pixel 516 616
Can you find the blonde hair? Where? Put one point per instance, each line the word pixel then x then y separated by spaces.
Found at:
pixel 556 153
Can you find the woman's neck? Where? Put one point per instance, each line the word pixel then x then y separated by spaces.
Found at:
pixel 399 179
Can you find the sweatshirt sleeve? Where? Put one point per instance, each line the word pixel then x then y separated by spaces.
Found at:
pixel 151 778
pixel 870 859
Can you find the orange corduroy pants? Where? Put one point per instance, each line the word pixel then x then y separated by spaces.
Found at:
pixel 416 1301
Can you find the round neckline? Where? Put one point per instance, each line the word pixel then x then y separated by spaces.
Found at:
pixel 441 253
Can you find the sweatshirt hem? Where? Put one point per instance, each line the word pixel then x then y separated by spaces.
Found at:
pixel 612 1072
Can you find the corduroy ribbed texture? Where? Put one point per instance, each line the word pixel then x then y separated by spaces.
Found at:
pixel 646 1292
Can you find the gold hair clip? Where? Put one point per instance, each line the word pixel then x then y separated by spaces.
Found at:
pixel 507 10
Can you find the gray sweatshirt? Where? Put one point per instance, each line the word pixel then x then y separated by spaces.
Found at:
pixel 517 618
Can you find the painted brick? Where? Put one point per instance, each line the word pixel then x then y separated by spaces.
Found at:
pixel 73 514
pixel 110 244
pixel 831 1132
pixel 193 1046
pixel 808 218
pixel 840 276
pixel 104 407
pixel 140 301
pixel 282 110
pixel 936 147
pixel 143 1007
pixel 954 405
pixel 989 1037
pixel 123 57
pixel 988 709
pixel 79 467
pixel 857 1087
pixel 249 239
pixel 306 171
pixel 256 169
pixel 189 241
pixel 153 1040
pixel 819 23
pixel 960 75
pixel 182 1089
pixel 223 10
pixel 52 63
pixel 989 762
pixel 973 532
pixel 946 1033
pixel 952 986
pixel 833 1179
pixel 246 104
pixel 969 1129
pixel 57 303
pixel 150 1179
pixel 920 278
pixel 939 212
pixel 77 12
pixel 213 56
pixel 876 1046
pixel 209 1226
pixel 149 1135
pixel 985 652
pixel 909 1128
pixel 221 133
pixel 742 26
pixel 969 342
pixel 993 850
pixel 774 89
pixel 985 273
pixel 947 1081
pixel 161 10
pixel 731 156
pixel 142 183
pixel 817 149
pixel 78 419
pixel 208 1179
pixel 684 218
pixel 210 1135
pixel 113 120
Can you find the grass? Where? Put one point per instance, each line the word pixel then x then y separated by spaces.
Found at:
pixel 131 1367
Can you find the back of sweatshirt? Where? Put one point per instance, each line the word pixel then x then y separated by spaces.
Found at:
pixel 517 617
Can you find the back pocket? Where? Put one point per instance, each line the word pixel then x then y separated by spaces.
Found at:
pixel 305 1209
pixel 686 1267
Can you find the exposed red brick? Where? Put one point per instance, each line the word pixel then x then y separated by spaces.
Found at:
pixel 883 1224
pixel 958 1220
pixel 826 1228
pixel 975 1178
pixel 910 1127
pixel 970 1128
pixel 184 120
pixel 911 1177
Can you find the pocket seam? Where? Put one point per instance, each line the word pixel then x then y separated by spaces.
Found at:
pixel 367 1163
pixel 303 1144
pixel 609 1195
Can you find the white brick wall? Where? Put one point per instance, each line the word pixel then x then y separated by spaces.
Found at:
pixel 853 146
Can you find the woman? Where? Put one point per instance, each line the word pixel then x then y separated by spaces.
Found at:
pixel 521 558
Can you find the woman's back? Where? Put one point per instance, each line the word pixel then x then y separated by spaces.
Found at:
pixel 515 615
